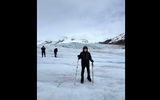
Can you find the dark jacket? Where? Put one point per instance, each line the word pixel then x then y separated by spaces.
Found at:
pixel 85 57
pixel 55 50
pixel 43 49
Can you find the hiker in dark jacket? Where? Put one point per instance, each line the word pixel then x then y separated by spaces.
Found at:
pixel 85 56
pixel 55 52
pixel 43 51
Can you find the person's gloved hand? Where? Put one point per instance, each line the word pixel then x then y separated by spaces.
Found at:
pixel 92 61
pixel 78 56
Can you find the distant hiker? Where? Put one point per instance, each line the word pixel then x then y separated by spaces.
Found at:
pixel 85 56
pixel 55 52
pixel 43 51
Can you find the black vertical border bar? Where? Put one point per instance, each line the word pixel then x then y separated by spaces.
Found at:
pixel 35 7
pixel 34 28
pixel 20 70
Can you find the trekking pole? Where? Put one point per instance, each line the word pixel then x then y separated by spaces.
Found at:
pixel 76 73
pixel 92 73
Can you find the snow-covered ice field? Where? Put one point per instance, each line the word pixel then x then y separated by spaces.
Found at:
pixel 55 76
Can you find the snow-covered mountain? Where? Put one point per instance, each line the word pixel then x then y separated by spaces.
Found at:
pixel 63 40
pixel 119 40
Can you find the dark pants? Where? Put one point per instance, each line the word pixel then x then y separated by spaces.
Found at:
pixel 82 72
pixel 43 53
pixel 55 54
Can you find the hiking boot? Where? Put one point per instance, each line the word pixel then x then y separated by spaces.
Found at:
pixel 89 79
pixel 82 81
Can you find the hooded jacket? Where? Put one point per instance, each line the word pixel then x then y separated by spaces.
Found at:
pixel 85 57
pixel 55 50
pixel 43 49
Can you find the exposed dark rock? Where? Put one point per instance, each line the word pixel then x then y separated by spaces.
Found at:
pixel 59 41
pixel 72 39
pixel 106 42
pixel 118 40
pixel 48 42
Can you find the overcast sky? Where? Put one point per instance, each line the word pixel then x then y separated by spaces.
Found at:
pixel 90 19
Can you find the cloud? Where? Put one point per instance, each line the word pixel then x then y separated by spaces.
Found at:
pixel 80 17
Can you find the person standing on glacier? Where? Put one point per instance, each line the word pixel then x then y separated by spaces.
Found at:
pixel 43 51
pixel 85 57
pixel 55 52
